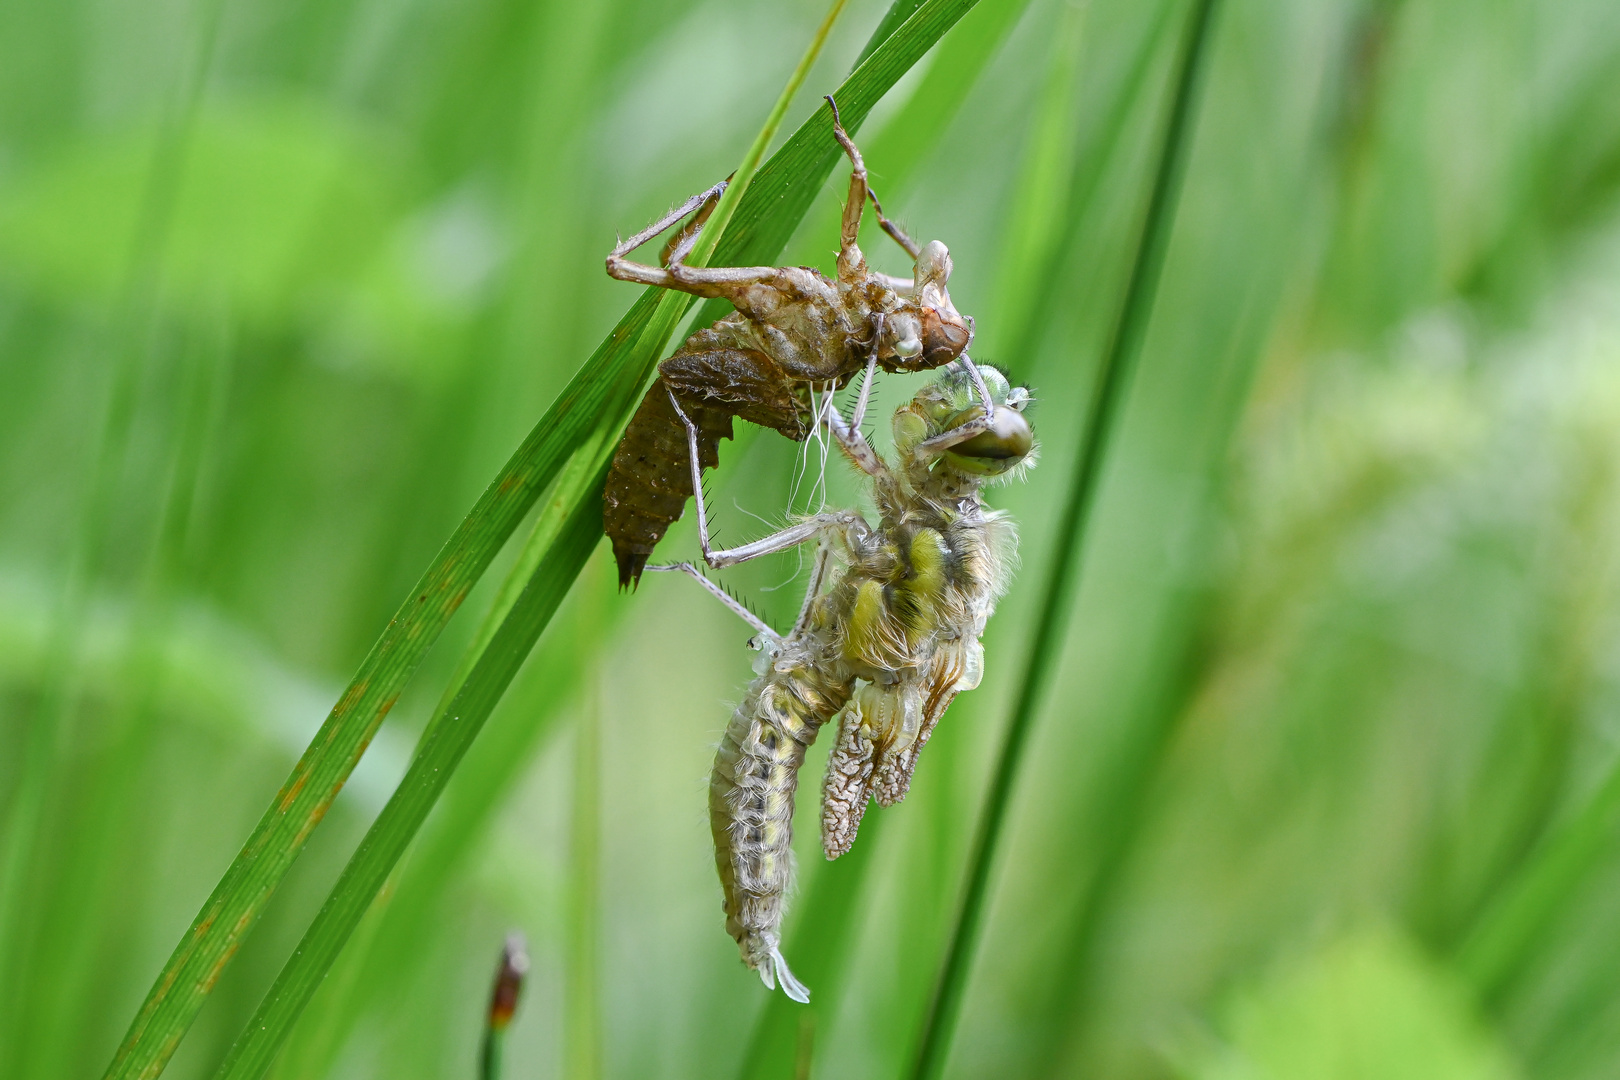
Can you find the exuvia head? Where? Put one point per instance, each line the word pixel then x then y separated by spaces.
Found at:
pixel 927 331
pixel 945 334
pixel 933 265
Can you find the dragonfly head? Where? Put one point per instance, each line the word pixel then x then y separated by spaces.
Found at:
pixel 953 400
pixel 1000 448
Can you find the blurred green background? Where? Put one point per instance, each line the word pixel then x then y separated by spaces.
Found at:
pixel 1328 785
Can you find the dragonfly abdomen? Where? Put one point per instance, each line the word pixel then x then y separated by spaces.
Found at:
pixel 751 794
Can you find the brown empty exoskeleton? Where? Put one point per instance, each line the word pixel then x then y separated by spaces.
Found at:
pixel 794 331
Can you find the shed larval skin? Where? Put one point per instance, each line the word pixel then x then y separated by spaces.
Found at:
pixel 794 331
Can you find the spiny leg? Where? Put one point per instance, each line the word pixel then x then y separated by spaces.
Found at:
pixel 680 244
pixel 860 189
pixel 975 374
pixel 855 445
pixel 784 540
pixel 818 574
pixel 858 416
pixel 959 434
pixel 732 603
pixel 978 383
pixel 719 281
pixel 849 435
pixel 968 429
pixel 625 247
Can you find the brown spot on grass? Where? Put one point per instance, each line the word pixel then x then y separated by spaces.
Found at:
pixel 290 794
pixel 350 696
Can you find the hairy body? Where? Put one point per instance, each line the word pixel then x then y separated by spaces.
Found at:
pixel 884 643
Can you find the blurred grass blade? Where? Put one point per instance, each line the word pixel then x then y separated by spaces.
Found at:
pixel 1102 414
pixel 25 806
pixel 1031 240
pixel 582 1013
pixel 385 950
pixel 1035 251
pixel 303 800
pixel 443 744
pixel 1513 926
pixel 916 129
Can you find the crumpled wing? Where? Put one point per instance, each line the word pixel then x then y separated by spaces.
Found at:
pixel 954 668
pixel 847 785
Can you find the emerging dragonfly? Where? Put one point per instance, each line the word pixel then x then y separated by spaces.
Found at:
pixel 889 642
pixel 794 330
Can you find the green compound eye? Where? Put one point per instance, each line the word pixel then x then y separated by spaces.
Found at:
pixel 1007 442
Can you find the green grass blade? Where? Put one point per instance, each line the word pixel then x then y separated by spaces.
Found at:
pixel 443 744
pixel 1512 927
pixel 1111 385
pixel 303 800
pixel 1031 264
pixel 898 13
pixel 384 953
pixel 917 128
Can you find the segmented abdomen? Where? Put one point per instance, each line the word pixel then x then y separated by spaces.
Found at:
pixel 756 773
pixel 651 477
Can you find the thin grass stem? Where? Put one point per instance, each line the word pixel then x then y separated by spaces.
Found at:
pixel 503 1003
pixel 1068 549
pixel 582 1025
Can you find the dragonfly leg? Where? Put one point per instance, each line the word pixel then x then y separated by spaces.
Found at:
pixel 860 190
pixel 959 434
pixel 818 576
pixel 732 603
pixel 854 444
pixel 791 537
pixel 859 413
pixel 701 281
pixel 696 202
pixel 975 374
